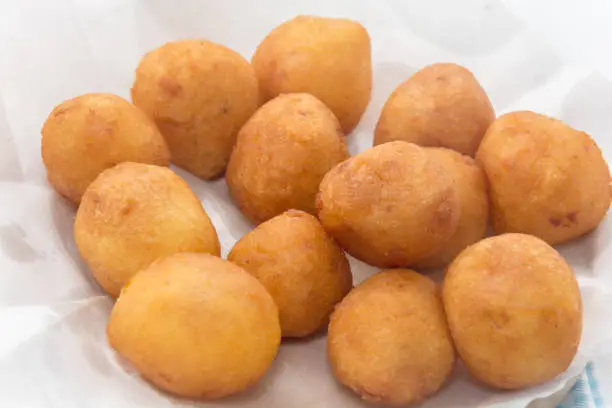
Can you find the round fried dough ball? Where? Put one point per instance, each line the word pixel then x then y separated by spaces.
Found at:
pixel 392 205
pixel 196 326
pixel 546 178
pixel 442 105
pixel 85 135
pixel 471 184
pixel 281 156
pixel 133 214
pixel 514 310
pixel 199 94
pixel 303 269
pixel 388 339
pixel 327 57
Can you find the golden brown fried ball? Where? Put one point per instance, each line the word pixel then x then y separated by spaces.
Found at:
pixel 196 326
pixel 327 57
pixel 442 105
pixel 281 156
pixel 133 214
pixel 546 178
pixel 471 184
pixel 388 339
pixel 199 94
pixel 514 310
pixel 303 269
pixel 85 135
pixel 392 205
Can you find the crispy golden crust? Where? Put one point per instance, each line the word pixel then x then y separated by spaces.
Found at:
pixel 281 156
pixel 196 326
pixel 392 205
pixel 514 310
pixel 327 57
pixel 471 184
pixel 304 270
pixel 442 105
pixel 133 214
pixel 388 339
pixel 546 178
pixel 199 94
pixel 85 135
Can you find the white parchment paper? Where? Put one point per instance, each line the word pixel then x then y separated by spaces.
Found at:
pixel 53 350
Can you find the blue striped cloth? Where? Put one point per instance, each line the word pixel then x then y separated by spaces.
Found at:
pixel 585 393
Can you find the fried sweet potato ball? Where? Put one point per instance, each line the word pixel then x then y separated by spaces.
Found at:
pixel 392 205
pixel 388 340
pixel 442 105
pixel 546 178
pixel 196 326
pixel 85 135
pixel 326 57
pixel 304 270
pixel 199 94
pixel 514 310
pixel 133 214
pixel 281 156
